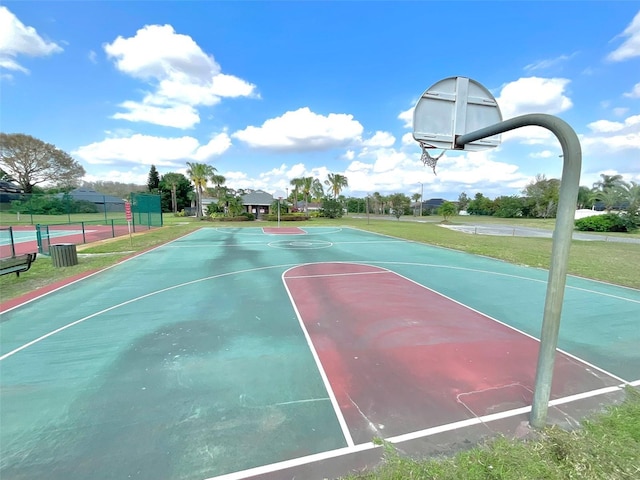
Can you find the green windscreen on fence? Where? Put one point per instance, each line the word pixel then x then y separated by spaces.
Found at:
pixel 146 210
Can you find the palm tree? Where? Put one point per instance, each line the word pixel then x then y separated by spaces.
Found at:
pixel 306 186
pixel 199 173
pixel 377 200
pixel 317 191
pixel 336 183
pixel 296 183
pixel 607 182
pixel 610 198
pixel 235 205
pixel 218 181
pixel 415 197
pixel 172 180
pixel 630 193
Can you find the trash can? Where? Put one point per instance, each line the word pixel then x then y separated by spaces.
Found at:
pixel 63 254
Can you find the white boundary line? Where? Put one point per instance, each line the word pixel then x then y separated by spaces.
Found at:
pixel 515 329
pixel 257 231
pixel 99 271
pixel 427 432
pixel 323 374
pixel 440 247
pixel 386 270
pixel 150 294
pixel 510 275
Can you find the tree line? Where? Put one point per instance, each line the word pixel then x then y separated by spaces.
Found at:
pixel 540 199
pixel 30 163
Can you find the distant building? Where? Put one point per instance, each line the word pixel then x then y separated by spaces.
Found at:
pixel 310 207
pixel 104 203
pixel 432 204
pixel 257 202
pixel 9 192
pixel 8 187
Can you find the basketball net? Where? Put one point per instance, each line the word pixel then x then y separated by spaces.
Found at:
pixel 427 159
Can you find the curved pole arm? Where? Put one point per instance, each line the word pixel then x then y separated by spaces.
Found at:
pixel 569 186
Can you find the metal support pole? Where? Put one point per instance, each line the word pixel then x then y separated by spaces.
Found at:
pixel 367 209
pixel 278 212
pixel 570 182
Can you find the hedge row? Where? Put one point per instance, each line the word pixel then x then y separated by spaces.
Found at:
pixel 609 222
pixel 287 217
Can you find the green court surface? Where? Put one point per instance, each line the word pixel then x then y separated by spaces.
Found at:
pixel 189 361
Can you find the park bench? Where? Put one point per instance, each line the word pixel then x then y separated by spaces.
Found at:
pixel 17 263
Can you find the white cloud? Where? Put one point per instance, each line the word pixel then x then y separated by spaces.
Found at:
pixel 614 144
pixel 93 56
pixel 302 130
pixel 620 111
pixel 635 91
pixel 178 116
pixel 407 139
pixel 147 150
pixel 380 139
pixel 548 63
pixel 235 176
pixel 543 154
pixel 477 168
pixel 17 39
pixel 631 46
pixel 217 146
pixel 230 86
pixel 390 171
pixel 604 126
pixel 534 95
pixel 530 135
pixel 181 74
pixel 407 117
pixel 157 51
pixel 137 177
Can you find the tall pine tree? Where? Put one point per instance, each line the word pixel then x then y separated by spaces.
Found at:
pixel 153 182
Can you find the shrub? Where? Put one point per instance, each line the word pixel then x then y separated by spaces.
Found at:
pixel 609 222
pixel 287 217
pixel 214 218
pixel 331 208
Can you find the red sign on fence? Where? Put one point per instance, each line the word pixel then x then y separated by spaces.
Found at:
pixel 127 211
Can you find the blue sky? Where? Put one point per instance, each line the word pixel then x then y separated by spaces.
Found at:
pixel 269 91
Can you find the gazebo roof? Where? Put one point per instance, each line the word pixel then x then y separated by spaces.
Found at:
pixel 257 197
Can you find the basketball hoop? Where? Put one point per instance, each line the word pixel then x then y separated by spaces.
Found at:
pixel 426 158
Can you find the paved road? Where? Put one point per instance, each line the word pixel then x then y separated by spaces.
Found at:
pixel 505 230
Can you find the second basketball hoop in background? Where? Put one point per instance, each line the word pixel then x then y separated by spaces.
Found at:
pixel 450 108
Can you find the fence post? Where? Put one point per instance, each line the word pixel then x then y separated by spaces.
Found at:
pixel 113 230
pixel 84 238
pixel 13 246
pixel 104 202
pixel 39 238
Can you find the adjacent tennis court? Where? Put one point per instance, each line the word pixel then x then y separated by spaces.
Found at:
pixel 277 353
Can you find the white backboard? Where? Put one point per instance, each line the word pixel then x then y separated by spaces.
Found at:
pixel 452 107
